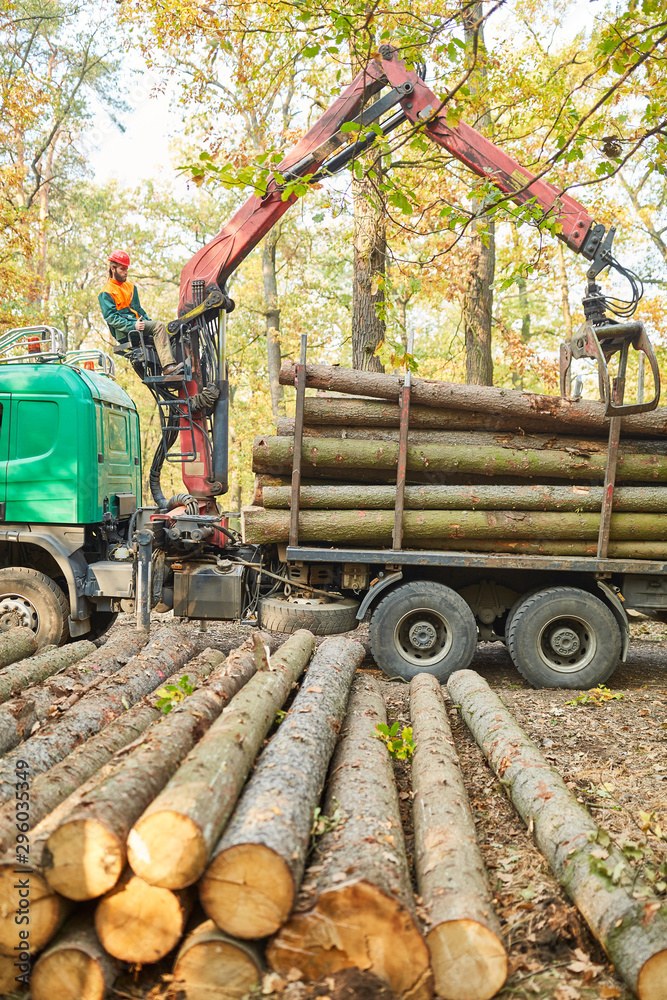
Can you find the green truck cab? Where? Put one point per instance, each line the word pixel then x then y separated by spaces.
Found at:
pixel 70 479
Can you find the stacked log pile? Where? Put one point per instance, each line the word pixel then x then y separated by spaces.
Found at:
pixel 487 470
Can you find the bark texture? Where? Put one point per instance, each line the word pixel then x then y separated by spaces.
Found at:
pixel 620 908
pixel 272 315
pixel 141 923
pixel 467 955
pixel 466 438
pixel 37 668
pixel 165 654
pixel 75 966
pixel 85 855
pixel 15 644
pixel 252 879
pixel 334 526
pixel 356 907
pixel 211 965
pixel 55 694
pixel 171 842
pixel 640 499
pixel 560 414
pixel 274 454
pixel 370 249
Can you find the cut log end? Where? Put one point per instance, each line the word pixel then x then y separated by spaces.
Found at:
pixel 47 910
pixel 356 925
pixel 468 960
pixel 140 923
pixel 67 975
pixel 83 859
pixel 652 977
pixel 233 891
pixel 167 849
pixel 211 966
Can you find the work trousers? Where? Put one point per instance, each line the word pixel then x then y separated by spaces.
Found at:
pixel 161 341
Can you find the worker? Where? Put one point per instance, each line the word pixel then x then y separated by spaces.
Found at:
pixel 119 302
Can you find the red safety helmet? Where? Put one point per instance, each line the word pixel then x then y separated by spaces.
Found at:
pixel 120 257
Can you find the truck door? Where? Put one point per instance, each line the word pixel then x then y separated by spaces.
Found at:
pixel 4 449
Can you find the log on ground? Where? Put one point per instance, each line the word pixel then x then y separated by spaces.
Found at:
pixel 467 955
pixel 172 841
pixel 261 525
pixel 582 414
pixel 274 455
pixel 75 966
pixel 94 763
pixel 165 654
pixel 620 908
pixel 356 906
pixel 252 879
pixel 37 668
pixel 15 644
pixel 19 715
pixel 85 854
pixel 141 923
pixel 640 499
pixel 211 965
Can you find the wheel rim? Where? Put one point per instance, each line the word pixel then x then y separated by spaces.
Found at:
pixel 17 610
pixel 423 637
pixel 567 644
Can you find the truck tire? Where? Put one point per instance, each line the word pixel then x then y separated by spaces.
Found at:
pixel 422 628
pixel 33 600
pixel 564 637
pixel 277 614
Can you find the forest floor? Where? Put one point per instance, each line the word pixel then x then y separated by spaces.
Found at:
pixel 612 755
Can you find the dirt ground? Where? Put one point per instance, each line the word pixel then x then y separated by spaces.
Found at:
pixel 612 755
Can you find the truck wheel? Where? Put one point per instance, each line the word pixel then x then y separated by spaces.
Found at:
pixel 564 637
pixel 277 614
pixel 422 628
pixel 31 599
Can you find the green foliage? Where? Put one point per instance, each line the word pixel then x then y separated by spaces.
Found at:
pixel 596 696
pixel 400 745
pixel 173 694
pixel 322 824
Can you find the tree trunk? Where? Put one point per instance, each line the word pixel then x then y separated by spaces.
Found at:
pixel 565 305
pixel 646 499
pixel 370 250
pixel 285 428
pixel 333 526
pixel 86 854
pixel 167 652
pixel 37 668
pixel 274 455
pixel 272 314
pixel 171 843
pixel 15 644
pixel 74 966
pixel 555 413
pixel 141 923
pixel 477 309
pixel 211 965
pixel 58 693
pixel 252 879
pixel 356 907
pixel 620 908
pixel 467 955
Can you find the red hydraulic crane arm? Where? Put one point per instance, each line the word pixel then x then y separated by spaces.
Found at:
pixel 222 255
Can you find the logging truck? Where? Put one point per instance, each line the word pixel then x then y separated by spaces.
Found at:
pixel 549 569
